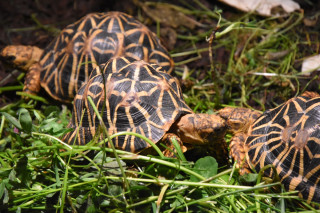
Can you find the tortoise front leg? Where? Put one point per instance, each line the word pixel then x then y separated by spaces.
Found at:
pixel 32 79
pixel 238 152
pixel 171 150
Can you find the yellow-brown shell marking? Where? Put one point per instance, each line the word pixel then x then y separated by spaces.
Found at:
pixel 138 98
pixel 289 138
pixel 68 61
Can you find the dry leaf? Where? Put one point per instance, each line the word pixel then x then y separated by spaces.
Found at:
pixel 276 55
pixel 310 22
pixel 265 7
pixel 168 15
pixel 310 64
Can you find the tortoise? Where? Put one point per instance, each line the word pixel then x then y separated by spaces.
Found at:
pixel 287 137
pixel 68 60
pixel 144 99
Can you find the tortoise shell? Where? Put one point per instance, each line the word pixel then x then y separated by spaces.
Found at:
pixel 288 137
pixel 139 98
pixel 68 61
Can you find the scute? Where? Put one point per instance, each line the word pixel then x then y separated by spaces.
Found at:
pixel 289 138
pixel 134 100
pixel 93 40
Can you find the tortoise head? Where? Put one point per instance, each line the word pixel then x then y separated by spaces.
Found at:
pixel 21 56
pixel 238 119
pixel 201 129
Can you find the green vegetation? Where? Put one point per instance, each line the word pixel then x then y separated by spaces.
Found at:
pixel 254 64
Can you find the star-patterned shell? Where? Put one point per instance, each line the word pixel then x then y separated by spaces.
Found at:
pixel 288 137
pixel 139 98
pixel 68 61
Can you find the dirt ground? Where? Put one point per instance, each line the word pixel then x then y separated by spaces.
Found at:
pixel 32 22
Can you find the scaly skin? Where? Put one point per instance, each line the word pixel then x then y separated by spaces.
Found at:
pixel 204 130
pixel 22 56
pixel 25 58
pixel 239 121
